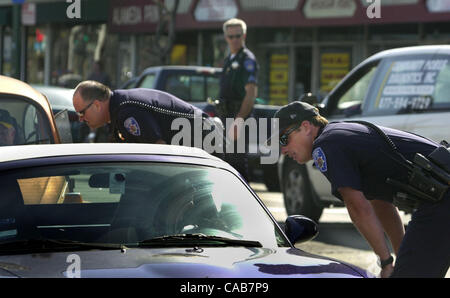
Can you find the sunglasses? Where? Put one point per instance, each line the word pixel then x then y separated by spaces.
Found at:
pixel 284 138
pixel 234 36
pixel 83 111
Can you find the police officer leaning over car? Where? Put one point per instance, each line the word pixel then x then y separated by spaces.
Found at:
pixel 136 115
pixel 238 88
pixel 360 164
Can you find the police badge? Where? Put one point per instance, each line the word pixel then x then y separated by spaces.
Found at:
pixel 319 159
pixel 132 126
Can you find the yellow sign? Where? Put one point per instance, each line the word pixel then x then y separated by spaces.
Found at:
pixel 279 76
pixel 179 55
pixel 333 67
pixel 335 60
pixel 279 61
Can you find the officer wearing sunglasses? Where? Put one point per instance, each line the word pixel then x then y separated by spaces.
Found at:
pixel 238 88
pixel 353 157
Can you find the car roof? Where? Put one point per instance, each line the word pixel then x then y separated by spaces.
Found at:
pixel 24 152
pixel 414 50
pixel 183 67
pixel 59 97
pixel 13 86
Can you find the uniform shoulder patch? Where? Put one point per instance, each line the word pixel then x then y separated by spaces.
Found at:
pixel 132 126
pixel 249 65
pixel 320 159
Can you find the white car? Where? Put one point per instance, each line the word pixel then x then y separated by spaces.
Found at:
pixel 405 88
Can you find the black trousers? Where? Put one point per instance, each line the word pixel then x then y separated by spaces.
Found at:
pixel 425 249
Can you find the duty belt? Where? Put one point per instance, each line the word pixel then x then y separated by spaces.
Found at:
pixel 428 178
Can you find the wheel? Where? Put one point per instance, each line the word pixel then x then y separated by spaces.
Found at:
pixel 297 192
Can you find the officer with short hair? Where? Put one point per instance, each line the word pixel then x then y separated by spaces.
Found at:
pixel 357 161
pixel 136 115
pixel 238 88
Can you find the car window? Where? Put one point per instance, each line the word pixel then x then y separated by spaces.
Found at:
pixel 354 92
pixel 142 199
pixel 187 87
pixel 197 88
pixel 411 84
pixel 212 87
pixel 147 82
pixel 21 122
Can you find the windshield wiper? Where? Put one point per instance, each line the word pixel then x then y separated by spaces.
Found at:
pixel 44 244
pixel 184 239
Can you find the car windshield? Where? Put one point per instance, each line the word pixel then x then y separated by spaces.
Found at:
pixel 131 203
pixel 21 122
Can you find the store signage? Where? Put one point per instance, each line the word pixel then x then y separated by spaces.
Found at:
pixel 438 5
pixel 333 67
pixel 279 79
pixel 29 14
pixel 215 10
pixel 132 13
pixel 329 8
pixel 389 2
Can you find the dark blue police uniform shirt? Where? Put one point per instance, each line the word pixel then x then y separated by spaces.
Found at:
pixel 133 121
pixel 236 73
pixel 351 155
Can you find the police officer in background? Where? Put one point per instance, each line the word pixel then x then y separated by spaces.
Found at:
pixel 136 115
pixel 238 89
pixel 356 159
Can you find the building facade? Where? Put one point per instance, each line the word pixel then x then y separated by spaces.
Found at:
pixel 301 45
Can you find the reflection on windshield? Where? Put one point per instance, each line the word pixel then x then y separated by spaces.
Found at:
pixel 129 203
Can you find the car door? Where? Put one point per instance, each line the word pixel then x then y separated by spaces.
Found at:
pixel 428 103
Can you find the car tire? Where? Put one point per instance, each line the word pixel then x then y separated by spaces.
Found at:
pixel 297 192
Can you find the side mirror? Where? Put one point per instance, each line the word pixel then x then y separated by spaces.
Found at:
pixel 299 228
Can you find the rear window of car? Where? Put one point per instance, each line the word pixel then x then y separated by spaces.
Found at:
pixel 194 88
pixel 21 122
pixel 412 83
pixel 148 81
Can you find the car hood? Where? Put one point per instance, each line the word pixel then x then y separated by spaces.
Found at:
pixel 177 263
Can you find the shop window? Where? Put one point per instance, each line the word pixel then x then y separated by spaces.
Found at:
pixel 7 67
pixel 255 5
pixel 341 33
pixel 439 33
pixel 398 32
pixel 76 48
pixel 36 43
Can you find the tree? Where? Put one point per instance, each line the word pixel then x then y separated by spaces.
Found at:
pixel 164 37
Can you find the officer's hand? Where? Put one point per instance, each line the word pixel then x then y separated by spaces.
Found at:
pixel 387 271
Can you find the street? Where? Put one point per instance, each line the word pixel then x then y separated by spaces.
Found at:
pixel 337 238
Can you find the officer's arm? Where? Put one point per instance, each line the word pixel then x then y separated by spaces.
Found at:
pixel 251 91
pixel 364 218
pixel 160 141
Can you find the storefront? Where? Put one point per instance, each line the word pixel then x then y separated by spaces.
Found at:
pixel 60 48
pixel 301 45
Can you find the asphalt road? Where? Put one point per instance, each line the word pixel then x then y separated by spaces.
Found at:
pixel 337 238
